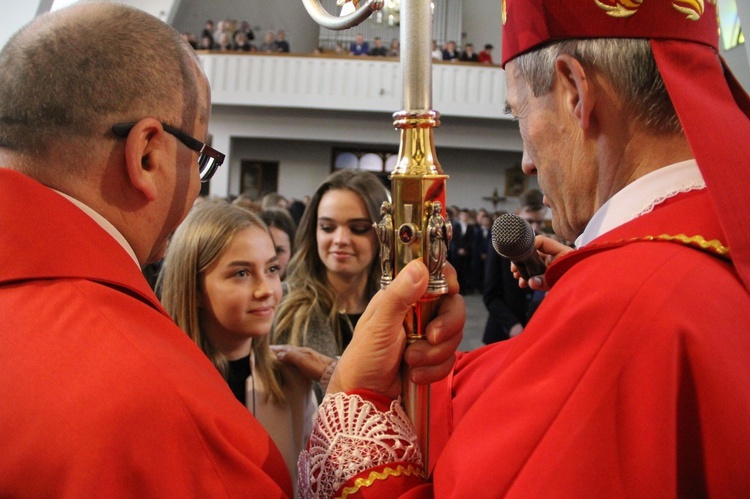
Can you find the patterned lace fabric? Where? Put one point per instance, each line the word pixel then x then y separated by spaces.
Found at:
pixel 351 435
pixel 663 197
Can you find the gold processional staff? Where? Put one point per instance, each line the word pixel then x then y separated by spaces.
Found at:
pixel 414 225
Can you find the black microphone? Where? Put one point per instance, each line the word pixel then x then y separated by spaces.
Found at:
pixel 513 238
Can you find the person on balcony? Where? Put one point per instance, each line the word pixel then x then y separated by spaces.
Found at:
pixel 378 50
pixel 449 52
pixel 485 56
pixel 468 54
pixel 269 42
pixel 282 45
pixel 359 46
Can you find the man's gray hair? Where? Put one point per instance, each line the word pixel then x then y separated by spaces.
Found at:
pixel 627 63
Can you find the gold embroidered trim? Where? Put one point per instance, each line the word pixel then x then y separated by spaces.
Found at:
pixel 713 246
pixel 621 8
pixel 693 9
pixel 410 470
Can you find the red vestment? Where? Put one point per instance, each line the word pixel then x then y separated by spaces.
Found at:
pixel 103 395
pixel 631 380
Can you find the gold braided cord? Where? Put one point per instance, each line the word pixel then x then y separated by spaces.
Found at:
pixel 374 476
pixel 713 246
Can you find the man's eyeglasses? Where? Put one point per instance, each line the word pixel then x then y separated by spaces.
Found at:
pixel 209 159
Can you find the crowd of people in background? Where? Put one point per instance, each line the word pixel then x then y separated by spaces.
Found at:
pixel 468 250
pixel 238 36
pixel 480 269
pixel 271 289
pixel 449 52
pixel 334 296
pixel 233 35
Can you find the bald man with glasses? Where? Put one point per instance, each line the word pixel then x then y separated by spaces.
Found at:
pixel 102 154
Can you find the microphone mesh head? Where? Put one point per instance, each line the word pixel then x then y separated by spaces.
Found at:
pixel 512 236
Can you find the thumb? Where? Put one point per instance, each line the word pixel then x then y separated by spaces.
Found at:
pixel 406 289
pixel 372 359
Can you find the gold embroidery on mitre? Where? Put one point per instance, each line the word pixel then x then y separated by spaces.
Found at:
pixel 374 476
pixel 693 9
pixel 619 8
pixel 505 12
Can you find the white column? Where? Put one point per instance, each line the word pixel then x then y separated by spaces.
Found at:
pixel 221 141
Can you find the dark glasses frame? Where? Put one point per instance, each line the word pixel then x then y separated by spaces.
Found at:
pixel 209 159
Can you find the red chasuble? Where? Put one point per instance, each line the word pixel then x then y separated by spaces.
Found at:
pixel 632 379
pixel 102 394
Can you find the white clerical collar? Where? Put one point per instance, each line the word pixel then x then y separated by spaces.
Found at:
pixel 640 197
pixel 104 224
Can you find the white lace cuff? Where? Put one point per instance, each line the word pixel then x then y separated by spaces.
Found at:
pixel 351 435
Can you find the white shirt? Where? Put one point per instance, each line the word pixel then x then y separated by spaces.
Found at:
pixel 640 197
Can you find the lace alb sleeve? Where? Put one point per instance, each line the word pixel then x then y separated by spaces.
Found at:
pixel 351 435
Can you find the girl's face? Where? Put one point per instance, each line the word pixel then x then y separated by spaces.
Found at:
pixel 283 249
pixel 240 292
pixel 345 238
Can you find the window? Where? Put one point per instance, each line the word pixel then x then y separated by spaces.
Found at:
pixel 729 24
pixel 379 162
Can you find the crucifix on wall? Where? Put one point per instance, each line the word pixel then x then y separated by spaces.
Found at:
pixel 495 199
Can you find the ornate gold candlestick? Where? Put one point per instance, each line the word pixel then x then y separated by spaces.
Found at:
pixel 414 226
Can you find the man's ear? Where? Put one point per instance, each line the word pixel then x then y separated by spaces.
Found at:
pixel 576 86
pixel 143 158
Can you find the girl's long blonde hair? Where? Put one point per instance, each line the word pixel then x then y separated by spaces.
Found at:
pixel 195 245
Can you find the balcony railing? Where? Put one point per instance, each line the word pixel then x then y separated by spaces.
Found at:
pixel 348 84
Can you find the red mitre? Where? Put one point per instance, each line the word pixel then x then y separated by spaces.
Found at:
pixel 712 106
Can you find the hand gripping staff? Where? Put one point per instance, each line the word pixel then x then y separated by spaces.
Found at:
pixel 414 225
